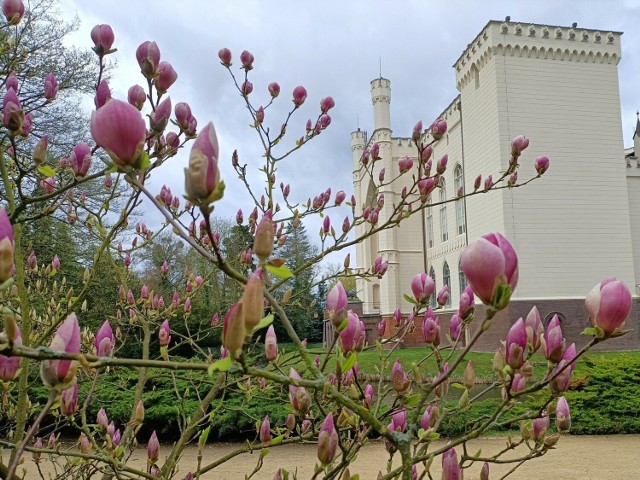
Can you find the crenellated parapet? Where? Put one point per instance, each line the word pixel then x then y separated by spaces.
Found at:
pixel 548 42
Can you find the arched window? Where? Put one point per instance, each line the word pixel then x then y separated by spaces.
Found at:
pixel 459 186
pixel 432 274
pixel 443 210
pixel 461 279
pixel 430 235
pixel 446 280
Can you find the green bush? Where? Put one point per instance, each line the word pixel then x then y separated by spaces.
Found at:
pixel 607 400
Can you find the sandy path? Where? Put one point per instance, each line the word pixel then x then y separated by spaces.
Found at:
pixel 612 457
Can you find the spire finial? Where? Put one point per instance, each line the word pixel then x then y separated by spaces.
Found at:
pixel 380 61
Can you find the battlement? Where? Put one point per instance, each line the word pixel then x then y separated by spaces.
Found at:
pixel 508 38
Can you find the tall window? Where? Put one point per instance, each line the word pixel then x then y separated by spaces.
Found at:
pixel 443 210
pixel 430 230
pixel 461 279
pixel 446 280
pixel 459 184
pixel 432 274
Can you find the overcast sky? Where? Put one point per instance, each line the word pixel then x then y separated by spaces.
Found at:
pixel 331 47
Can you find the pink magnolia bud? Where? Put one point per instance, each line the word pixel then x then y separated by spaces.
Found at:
pixel 119 128
pixel 540 426
pixel 488 182
pixel 108 181
pixel 103 94
pixel 224 54
pixel 183 114
pixel 153 447
pixel 32 260
pixel 80 159
pixel 327 104
pixel 26 125
pixel 380 267
pixel 438 129
pixel 513 179
pixel 490 263
pixel 399 380
pixel 105 340
pixel 484 473
pixel 368 396
pixel 450 468
pixel 298 396
pixel 399 421
pixel 50 86
pixel 431 328
pixel 55 262
pixel 562 379
pixel 246 58
pixel 441 166
pixel 516 344
pixel 326 225
pixel 61 373
pixel 425 154
pixel 518 383
pixel 337 304
pixel 148 56
pixel 12 82
pixel 69 401
pixel 541 164
pixel 13 115
pixel 417 132
pixel 429 417
pixel 535 329
pixel 130 298
pixel 397 316
pixel 144 292
pixel 477 182
pixel 164 269
pixel 260 114
pixel 519 144
pixel 136 96
pixel 187 305
pixel 164 334
pixel 382 327
pixel 373 218
pixel 466 306
pixel 9 365
pixel 422 286
pixel 159 118
pixel 609 304
pixel 101 419
pixel 265 430
pixel 246 88
pixel 270 344
pixel 13 11
pixel 233 328
pixel 405 164
pixel 327 441
pixel 102 37
pixel 7 244
pixel 352 336
pixel 167 76
pixel 274 89
pixel 426 185
pixel 381 175
pixel 253 300
pixel 443 295
pixel 48 184
pixel 202 175
pixel 224 353
pixel 299 95
pixel 563 415
pixel 455 326
pixel 263 240
pixel 553 342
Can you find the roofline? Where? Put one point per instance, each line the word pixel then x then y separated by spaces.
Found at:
pixel 528 23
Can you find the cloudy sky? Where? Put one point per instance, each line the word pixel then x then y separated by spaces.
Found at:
pixel 331 47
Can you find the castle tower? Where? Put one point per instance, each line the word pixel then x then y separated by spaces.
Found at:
pixel 559 87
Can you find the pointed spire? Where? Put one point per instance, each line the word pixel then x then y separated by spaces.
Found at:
pixel 637 130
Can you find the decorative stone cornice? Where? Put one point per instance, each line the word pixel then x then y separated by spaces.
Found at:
pixel 536 41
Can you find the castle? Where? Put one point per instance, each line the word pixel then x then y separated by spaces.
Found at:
pixel 571 228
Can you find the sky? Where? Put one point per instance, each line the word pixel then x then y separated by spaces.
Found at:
pixel 331 47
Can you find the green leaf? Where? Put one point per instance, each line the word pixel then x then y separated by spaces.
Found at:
pixel 409 299
pixel 277 440
pixel 264 323
pixel 591 331
pixel 112 169
pixel 281 272
pixel 204 436
pixel 47 170
pixel 349 362
pixel 264 452
pixel 220 366
pixel 144 162
pixel 412 400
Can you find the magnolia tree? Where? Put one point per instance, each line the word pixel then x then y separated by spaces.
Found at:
pixel 327 399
